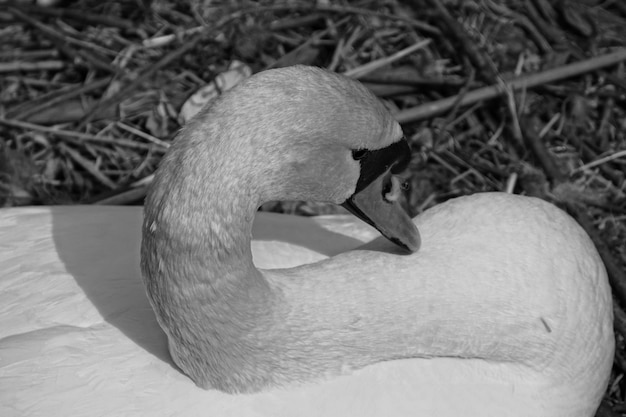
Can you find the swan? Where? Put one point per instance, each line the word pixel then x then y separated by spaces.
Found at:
pixel 499 306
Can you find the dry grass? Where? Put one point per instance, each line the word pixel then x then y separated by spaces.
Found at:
pixel 526 97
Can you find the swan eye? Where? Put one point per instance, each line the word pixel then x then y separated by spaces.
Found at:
pixel 359 154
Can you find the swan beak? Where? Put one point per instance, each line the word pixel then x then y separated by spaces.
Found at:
pixel 375 205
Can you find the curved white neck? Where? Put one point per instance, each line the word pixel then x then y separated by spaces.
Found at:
pixel 240 329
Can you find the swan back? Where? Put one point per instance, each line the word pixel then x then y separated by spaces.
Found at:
pixel 78 334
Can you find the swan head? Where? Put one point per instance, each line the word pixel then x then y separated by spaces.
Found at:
pixel 304 133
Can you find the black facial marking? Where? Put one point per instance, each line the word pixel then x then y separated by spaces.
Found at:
pixel 359 154
pixel 375 163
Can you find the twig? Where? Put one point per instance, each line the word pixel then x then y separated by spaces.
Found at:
pixel 88 166
pixel 77 135
pixel 431 83
pixel 28 55
pixel 164 40
pixel 534 142
pixel 419 25
pixel 61 42
pixel 527 81
pixel 601 161
pixel 602 131
pixel 146 75
pixel 30 81
pixel 510 183
pixel 31 66
pixel 43 98
pixel 121 198
pixel 165 61
pixel 24 114
pixel 486 69
pixel 305 50
pixel 134 192
pixel 237 14
pixel 143 135
pixel 455 107
pixel 522 21
pixel 549 30
pixel 79 15
pixel 379 63
pixel 516 129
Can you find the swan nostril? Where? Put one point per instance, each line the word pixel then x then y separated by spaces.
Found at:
pixel 387 186
pixel 392 188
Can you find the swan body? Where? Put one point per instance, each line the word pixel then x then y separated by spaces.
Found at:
pixel 505 310
pixel 78 334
